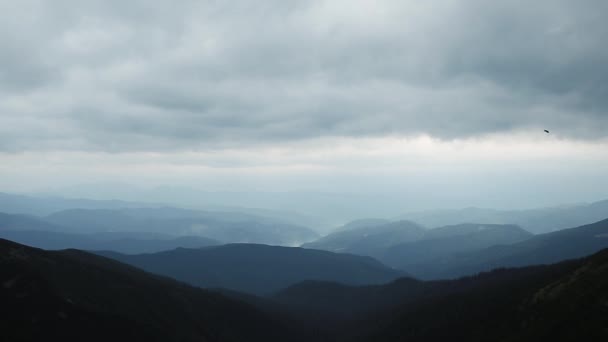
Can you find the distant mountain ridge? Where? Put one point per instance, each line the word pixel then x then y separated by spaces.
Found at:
pixel 465 249
pixel 442 243
pixel 402 243
pixel 42 206
pixel 36 232
pixel 225 227
pixel 538 221
pixel 540 249
pixel 369 240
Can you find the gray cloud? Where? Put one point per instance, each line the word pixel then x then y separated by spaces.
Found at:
pixel 156 76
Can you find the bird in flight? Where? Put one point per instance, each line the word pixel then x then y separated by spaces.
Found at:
pixel 546 131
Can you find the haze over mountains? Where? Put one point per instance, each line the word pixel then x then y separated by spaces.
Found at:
pixel 541 220
pixel 362 282
pixel 404 245
pixel 150 222
pixel 310 170
pixel 318 210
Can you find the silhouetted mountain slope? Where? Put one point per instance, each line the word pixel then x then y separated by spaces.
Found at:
pixel 541 249
pixel 542 220
pixel 76 296
pixel 222 226
pixel 441 243
pixel 369 240
pixel 259 269
pixel 562 302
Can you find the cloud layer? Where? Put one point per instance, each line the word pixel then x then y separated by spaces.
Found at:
pixel 161 76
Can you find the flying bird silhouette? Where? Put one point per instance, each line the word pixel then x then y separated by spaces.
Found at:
pixel 546 131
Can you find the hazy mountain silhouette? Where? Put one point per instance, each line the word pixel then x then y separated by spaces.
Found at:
pixel 222 226
pixel 35 232
pixel 442 243
pixel 405 245
pixel 540 249
pixel 369 240
pixel 542 220
pixel 76 296
pixel 41 206
pixel 259 269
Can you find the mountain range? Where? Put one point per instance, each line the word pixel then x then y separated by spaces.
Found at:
pixel 463 249
pixel 221 227
pixel 72 295
pixel 539 249
pixel 537 221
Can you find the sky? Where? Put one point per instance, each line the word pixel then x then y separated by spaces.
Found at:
pixel 442 102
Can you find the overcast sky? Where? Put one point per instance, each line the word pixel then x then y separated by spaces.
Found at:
pixel 445 99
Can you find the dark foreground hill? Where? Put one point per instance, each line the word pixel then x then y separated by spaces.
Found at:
pixel 561 302
pixel 259 269
pixel 76 296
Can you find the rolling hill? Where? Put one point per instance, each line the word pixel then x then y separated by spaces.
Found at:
pixel 259 269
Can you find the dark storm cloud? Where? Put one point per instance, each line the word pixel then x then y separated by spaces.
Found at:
pixel 153 75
